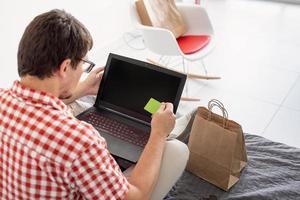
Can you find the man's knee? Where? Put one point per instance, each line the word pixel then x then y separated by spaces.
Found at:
pixel 177 152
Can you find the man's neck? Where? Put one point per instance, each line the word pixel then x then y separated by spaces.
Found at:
pixel 48 85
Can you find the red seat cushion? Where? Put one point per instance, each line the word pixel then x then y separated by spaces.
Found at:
pixel 191 43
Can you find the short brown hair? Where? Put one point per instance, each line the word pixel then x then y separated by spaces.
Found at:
pixel 48 40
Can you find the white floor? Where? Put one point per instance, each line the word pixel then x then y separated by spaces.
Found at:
pixel 258 57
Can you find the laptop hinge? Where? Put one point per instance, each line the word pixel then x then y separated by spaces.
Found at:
pixel 124 115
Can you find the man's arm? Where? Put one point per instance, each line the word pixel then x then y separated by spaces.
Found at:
pixel 145 174
pixel 89 86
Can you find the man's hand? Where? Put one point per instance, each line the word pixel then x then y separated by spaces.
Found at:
pixel 145 173
pixel 163 121
pixel 91 84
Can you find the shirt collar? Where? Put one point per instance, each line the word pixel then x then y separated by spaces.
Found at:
pixel 37 97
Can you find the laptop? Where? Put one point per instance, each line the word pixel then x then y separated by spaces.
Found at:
pixel 118 113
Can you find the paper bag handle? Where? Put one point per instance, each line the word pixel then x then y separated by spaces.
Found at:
pixel 216 103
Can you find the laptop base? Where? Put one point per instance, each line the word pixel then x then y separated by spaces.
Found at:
pixel 115 145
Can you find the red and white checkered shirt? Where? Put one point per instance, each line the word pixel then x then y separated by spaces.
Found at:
pixel 46 153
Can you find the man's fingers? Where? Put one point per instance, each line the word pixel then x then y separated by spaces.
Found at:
pixel 162 106
pixel 169 106
pixel 98 70
pixel 166 107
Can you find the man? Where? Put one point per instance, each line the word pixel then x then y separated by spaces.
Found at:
pixel 46 153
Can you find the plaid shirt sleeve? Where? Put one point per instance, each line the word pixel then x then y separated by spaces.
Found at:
pixel 96 174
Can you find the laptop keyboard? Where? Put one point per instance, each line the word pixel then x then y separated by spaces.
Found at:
pixel 118 129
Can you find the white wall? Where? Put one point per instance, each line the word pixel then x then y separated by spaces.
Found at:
pixel 106 20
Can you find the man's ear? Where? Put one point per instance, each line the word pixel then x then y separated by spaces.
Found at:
pixel 64 67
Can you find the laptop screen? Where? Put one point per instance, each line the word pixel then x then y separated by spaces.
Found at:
pixel 128 84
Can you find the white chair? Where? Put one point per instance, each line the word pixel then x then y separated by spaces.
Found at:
pixel 161 41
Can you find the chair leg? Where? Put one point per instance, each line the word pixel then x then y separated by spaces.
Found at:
pixel 189 99
pixel 189 75
pixel 203 65
pixel 186 71
pixel 196 76
pixel 187 81
pixel 160 59
pixel 205 77
pixel 165 64
pixel 164 60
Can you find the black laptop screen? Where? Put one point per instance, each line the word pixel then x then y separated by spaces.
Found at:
pixel 127 85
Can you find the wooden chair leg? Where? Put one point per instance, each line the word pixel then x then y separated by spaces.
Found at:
pixel 189 99
pixel 196 76
pixel 189 75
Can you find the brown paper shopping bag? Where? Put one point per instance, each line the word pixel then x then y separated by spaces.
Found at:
pixel 162 14
pixel 217 147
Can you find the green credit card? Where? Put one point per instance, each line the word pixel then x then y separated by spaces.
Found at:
pixel 152 106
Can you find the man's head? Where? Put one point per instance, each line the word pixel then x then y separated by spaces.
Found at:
pixel 53 41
